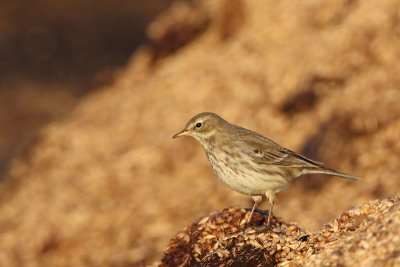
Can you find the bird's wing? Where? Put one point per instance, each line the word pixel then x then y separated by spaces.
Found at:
pixel 263 150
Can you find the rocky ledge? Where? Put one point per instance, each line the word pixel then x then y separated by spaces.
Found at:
pixel 364 236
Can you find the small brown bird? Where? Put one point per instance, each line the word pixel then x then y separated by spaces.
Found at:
pixel 248 162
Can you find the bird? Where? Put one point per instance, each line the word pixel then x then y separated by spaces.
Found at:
pixel 248 162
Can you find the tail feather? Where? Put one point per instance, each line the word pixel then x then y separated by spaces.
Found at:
pixel 331 172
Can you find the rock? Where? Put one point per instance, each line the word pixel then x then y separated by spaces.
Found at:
pixel 364 236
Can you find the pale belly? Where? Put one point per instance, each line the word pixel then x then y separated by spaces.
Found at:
pixel 246 180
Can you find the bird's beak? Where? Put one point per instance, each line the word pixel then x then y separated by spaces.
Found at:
pixel 182 133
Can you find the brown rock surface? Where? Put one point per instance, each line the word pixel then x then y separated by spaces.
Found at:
pixel 106 185
pixel 224 239
pixel 365 236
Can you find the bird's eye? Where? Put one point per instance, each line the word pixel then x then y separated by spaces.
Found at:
pixel 198 125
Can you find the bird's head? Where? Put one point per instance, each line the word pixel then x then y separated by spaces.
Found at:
pixel 202 127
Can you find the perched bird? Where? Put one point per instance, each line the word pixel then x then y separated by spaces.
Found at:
pixel 247 162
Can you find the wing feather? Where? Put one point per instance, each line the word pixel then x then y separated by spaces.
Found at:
pixel 265 151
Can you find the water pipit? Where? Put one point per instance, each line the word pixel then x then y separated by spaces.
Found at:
pixel 247 162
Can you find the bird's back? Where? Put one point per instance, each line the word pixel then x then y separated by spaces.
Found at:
pixel 263 150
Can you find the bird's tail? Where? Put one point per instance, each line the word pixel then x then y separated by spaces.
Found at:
pixel 324 170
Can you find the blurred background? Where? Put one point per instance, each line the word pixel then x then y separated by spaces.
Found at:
pixel 53 53
pixel 92 92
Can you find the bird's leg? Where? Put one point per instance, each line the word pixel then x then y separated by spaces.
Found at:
pixel 271 197
pixel 271 205
pixel 257 200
